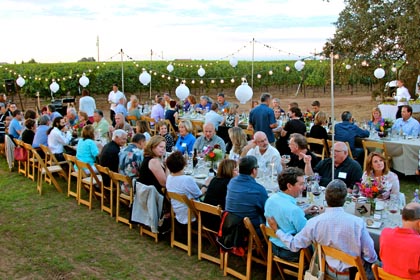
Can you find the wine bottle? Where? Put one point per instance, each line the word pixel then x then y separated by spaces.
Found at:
pixel 195 160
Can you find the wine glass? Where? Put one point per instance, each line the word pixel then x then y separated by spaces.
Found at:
pixel 316 191
pixel 356 192
pixel 285 158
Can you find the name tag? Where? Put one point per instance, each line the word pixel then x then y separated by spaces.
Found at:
pixel 184 145
pixel 342 175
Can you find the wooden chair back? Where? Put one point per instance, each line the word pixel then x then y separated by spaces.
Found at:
pixel 329 143
pixel 71 160
pixel 375 146
pixel 107 190
pixel 304 257
pixel 381 274
pixel 204 231
pixel 315 142
pixel 191 214
pixel 255 252
pixel 87 180
pixel 131 120
pixel 345 258
pixel 117 180
pixel 32 162
pixel 149 121
pixel 171 129
pixel 197 127
pixel 22 165
pixel 45 172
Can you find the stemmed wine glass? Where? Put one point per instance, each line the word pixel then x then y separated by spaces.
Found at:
pixel 316 191
pixel 356 192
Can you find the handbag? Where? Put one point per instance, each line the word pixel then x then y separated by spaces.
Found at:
pixel 315 271
pixel 20 154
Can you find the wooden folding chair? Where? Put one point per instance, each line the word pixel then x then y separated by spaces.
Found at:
pixel 171 129
pixel 89 181
pixel 32 162
pixel 381 274
pixel 375 146
pixel 197 128
pixel 45 172
pixel 204 231
pixel 107 189
pixel 131 120
pixel 345 258
pixel 51 160
pixel 249 132
pixel 22 165
pixel 329 143
pixel 314 144
pixel 300 266
pixel 71 160
pixel 149 121
pixel 117 180
pixel 191 214
pixel 255 253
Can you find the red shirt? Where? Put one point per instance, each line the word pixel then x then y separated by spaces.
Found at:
pixel 400 252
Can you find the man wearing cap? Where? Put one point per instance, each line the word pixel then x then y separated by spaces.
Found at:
pixel 114 97
pixel 221 102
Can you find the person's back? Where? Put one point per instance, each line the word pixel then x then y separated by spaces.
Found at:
pixel 400 246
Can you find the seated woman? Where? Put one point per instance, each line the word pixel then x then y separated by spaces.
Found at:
pixel 83 120
pixel 133 109
pixel 232 117
pixel 29 133
pixel 376 119
pixel 318 131
pixel 378 169
pixel 185 138
pixel 299 151
pixel 179 183
pixel 143 128
pixel 58 136
pixel 172 115
pixel 239 142
pixel 86 150
pixel 163 131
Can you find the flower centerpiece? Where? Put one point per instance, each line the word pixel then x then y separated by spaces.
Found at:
pixel 384 126
pixel 371 189
pixel 213 154
pixel 78 127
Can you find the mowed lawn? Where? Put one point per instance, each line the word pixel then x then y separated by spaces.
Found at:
pixel 51 237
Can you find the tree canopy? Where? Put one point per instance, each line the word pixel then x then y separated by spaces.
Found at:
pixel 382 32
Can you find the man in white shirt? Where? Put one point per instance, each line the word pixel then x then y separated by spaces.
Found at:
pixel 158 110
pixel 264 152
pixel 87 104
pixel 213 117
pixel 113 98
pixel 402 97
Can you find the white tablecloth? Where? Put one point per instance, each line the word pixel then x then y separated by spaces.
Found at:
pixel 389 111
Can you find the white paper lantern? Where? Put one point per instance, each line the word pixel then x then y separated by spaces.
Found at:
pixel 233 61
pixel 287 68
pixel 20 81
pixel 145 78
pixel 182 92
pixel 54 87
pixel 243 92
pixel 201 72
pixel 84 81
pixel 299 65
pixel 170 68
pixel 379 73
pixel 394 69
pixel 348 66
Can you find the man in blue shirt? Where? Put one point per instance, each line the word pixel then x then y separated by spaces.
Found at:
pixel 221 102
pixel 245 197
pixel 262 118
pixel 15 128
pixel 204 106
pixel 347 131
pixel 407 124
pixel 283 207
pixel 41 136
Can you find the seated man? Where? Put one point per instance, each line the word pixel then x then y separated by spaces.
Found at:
pixel 71 117
pixel 213 117
pixel 400 246
pixel 406 124
pixel 204 105
pixel 120 123
pixel 263 151
pixel 15 128
pixel 52 112
pixel 131 157
pixel 335 228
pixel 109 154
pixel 347 131
pixel 209 139
pixel 283 208
pixel 345 168
pixel 299 149
pixel 245 197
pixel 100 124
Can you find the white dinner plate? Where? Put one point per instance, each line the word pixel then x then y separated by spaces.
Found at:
pixel 200 176
pixel 375 224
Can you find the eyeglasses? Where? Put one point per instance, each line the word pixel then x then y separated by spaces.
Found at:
pixel 336 151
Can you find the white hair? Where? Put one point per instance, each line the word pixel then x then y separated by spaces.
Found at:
pixel 118 133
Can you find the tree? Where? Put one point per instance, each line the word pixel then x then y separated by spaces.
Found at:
pixel 382 32
pixel 84 59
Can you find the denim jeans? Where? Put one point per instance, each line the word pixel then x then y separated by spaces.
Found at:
pixel 286 254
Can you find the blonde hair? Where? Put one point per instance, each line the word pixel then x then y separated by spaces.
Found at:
pixel 187 124
pixel 238 138
pixel 320 118
pixel 233 108
pixel 376 109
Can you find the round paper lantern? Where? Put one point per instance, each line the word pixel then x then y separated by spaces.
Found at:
pixel 20 81
pixel 299 65
pixel 348 66
pixel 394 69
pixel 84 81
pixel 54 87
pixel 233 61
pixel 201 72
pixel 145 78
pixel 243 92
pixel 170 68
pixel 287 68
pixel 182 91
pixel 379 73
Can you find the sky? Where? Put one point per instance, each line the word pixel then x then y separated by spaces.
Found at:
pixel 67 30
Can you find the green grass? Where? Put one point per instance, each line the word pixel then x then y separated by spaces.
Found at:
pixel 51 237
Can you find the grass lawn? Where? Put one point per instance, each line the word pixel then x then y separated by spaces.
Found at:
pixel 51 237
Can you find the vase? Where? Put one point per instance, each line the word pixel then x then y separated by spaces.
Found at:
pixel 213 168
pixel 372 203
